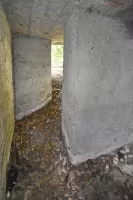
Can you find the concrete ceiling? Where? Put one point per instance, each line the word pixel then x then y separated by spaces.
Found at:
pixel 39 18
pixel 46 18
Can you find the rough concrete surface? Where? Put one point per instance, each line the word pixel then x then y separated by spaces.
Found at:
pixel 46 18
pixel 98 85
pixel 107 7
pixel 6 99
pixel 40 18
pixel 32 74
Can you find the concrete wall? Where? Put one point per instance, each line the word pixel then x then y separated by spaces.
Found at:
pixel 32 74
pixel 98 85
pixel 6 99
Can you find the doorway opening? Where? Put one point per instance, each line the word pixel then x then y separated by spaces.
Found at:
pixel 57 57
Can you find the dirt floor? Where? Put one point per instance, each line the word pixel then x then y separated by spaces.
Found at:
pixel 40 168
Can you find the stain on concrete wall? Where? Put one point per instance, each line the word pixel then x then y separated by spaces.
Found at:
pixel 6 99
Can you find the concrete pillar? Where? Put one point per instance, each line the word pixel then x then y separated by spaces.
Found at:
pixel 6 100
pixel 98 85
pixel 32 74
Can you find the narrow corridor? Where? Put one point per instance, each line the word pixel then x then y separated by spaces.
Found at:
pixel 40 168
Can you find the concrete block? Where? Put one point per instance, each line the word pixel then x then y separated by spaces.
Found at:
pixel 98 85
pixel 32 74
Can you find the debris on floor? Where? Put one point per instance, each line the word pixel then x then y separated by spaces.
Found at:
pixel 40 168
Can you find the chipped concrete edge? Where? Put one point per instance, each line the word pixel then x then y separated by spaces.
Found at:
pixel 78 159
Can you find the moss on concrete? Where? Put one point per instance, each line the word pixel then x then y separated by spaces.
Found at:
pixel 6 99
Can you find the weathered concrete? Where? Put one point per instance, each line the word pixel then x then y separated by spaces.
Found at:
pixel 32 74
pixel 46 18
pixel 98 85
pixel 6 99
pixel 39 18
pixel 97 115
pixel 107 7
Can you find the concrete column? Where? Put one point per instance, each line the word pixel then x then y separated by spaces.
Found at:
pixel 98 85
pixel 32 74
pixel 6 100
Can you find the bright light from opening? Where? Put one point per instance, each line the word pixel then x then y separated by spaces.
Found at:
pixel 57 55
